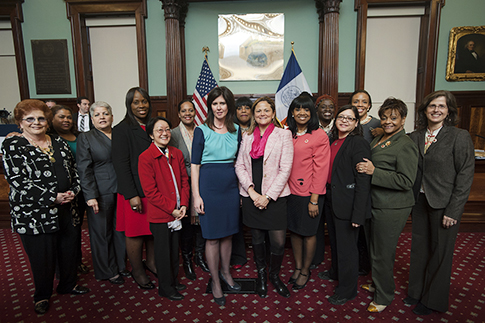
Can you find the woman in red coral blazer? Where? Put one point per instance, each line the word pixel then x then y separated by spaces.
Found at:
pixel 165 183
pixel 307 183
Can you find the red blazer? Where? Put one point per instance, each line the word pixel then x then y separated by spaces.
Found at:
pixel 157 183
pixel 310 164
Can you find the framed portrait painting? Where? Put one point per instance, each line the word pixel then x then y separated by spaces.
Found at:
pixel 466 54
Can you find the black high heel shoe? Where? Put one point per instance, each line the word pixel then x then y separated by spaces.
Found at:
pixel 293 280
pixel 297 287
pixel 221 301
pixel 148 285
pixel 147 268
pixel 236 287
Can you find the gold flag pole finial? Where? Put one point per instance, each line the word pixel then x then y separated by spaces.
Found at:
pixel 292 43
pixel 205 50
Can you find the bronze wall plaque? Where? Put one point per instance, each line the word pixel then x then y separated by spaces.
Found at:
pixel 51 66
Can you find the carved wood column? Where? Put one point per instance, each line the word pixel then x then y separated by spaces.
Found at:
pixel 328 12
pixel 174 54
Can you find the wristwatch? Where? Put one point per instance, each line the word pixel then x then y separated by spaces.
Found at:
pixel 313 203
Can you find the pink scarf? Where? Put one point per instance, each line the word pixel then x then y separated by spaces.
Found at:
pixel 257 149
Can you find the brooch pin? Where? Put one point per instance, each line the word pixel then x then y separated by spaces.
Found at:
pixel 387 144
pixel 306 141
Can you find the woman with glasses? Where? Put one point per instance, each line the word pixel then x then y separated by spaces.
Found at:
pixel 445 175
pixel 166 187
pixel 347 202
pixel 44 182
pixel 393 170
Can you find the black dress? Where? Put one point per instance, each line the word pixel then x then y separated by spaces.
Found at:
pixel 271 218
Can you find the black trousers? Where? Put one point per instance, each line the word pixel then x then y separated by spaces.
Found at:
pixel 431 256
pixel 107 245
pixel 166 247
pixel 187 234
pixel 44 250
pixel 345 254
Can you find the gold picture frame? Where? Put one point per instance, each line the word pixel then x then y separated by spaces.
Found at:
pixel 466 61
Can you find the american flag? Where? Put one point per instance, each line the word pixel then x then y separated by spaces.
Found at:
pixel 205 84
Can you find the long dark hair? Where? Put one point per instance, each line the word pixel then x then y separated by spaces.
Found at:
pixel 129 116
pixel 358 128
pixel 304 101
pixel 231 107
pixel 451 120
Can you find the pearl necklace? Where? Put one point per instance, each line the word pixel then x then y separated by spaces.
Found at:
pixel 301 133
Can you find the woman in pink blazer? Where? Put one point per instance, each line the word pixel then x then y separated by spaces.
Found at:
pixel 263 167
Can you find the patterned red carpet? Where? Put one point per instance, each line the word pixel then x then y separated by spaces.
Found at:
pixel 128 303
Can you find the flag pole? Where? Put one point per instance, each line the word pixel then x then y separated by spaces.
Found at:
pixel 292 48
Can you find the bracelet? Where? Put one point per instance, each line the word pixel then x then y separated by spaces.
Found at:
pixel 269 198
pixel 313 203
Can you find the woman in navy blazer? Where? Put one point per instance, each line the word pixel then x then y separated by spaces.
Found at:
pixel 129 141
pixel 445 174
pixel 99 185
pixel 347 202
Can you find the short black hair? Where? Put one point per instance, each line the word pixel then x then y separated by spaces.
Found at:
pixel 244 101
pixel 393 104
pixel 79 99
pixel 305 101
pixel 151 124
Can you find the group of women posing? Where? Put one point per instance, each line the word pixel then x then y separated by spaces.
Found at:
pixel 165 182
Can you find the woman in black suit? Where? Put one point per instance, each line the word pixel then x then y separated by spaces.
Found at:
pixel 129 141
pixel 445 173
pixel 98 181
pixel 347 202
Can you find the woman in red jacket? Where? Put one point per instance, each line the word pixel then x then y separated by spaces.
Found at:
pixel 165 183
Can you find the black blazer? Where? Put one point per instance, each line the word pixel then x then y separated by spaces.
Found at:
pixel 351 189
pixel 74 119
pixel 95 165
pixel 446 170
pixel 129 141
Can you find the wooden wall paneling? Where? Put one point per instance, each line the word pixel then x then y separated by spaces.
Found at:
pixel 13 9
pixel 76 13
pixel 477 126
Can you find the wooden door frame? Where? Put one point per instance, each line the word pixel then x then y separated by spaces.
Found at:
pixel 13 9
pixel 428 41
pixel 77 11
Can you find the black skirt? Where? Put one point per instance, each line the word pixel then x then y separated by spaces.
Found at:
pixel 299 221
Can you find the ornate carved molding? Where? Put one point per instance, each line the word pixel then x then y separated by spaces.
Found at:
pixel 327 6
pixel 175 9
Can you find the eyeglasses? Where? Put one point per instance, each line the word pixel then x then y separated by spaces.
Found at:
pixel 162 130
pixel 32 119
pixel 345 118
pixel 434 106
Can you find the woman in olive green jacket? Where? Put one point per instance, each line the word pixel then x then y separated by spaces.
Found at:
pixel 393 169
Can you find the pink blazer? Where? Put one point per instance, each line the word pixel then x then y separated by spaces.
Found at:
pixel 277 162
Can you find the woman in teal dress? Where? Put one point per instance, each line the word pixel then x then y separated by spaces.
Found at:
pixel 214 185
